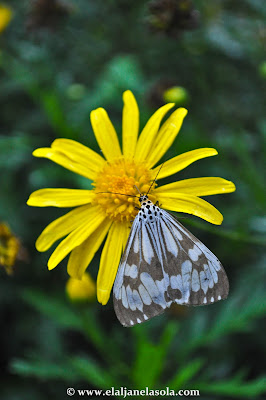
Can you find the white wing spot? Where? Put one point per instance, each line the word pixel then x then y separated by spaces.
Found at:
pixel 176 282
pixel 177 233
pixel 152 289
pixel 205 300
pixel 133 273
pixel 144 295
pixel 127 269
pixel 137 300
pixel 124 297
pixel 138 321
pixel 204 281
pixel 146 246
pixel 195 281
pixel 145 316
pixel 131 322
pixel 209 276
pixel 130 299
pixel 161 285
pixel 194 253
pixel 213 272
pixel 219 297
pixel 186 269
pixel 169 240
pixel 212 299
pixel 136 244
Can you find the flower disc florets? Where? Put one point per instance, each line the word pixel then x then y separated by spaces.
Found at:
pixel 115 185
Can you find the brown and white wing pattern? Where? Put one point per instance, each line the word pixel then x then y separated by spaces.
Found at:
pixel 164 263
pixel 196 275
pixel 137 296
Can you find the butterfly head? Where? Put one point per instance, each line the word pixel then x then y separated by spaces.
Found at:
pixel 142 198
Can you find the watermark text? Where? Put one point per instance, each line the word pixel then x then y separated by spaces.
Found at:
pixel 125 392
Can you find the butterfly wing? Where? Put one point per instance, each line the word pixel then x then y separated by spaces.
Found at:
pixel 136 295
pixel 196 276
pixel 164 263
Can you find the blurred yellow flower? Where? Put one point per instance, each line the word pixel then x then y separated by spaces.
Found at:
pixel 177 94
pixel 9 248
pixel 5 17
pixel 99 213
pixel 81 290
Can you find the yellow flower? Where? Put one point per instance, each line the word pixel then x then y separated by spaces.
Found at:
pixel 177 94
pixel 99 213
pixel 5 17
pixel 9 248
pixel 80 290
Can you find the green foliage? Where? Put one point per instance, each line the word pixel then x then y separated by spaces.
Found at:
pixel 235 387
pixel 150 357
pixel 51 79
pixel 180 358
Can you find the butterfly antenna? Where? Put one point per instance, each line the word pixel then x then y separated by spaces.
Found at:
pixel 155 178
pixel 137 189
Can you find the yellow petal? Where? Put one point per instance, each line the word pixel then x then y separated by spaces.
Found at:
pixel 82 255
pixel 130 124
pixel 62 226
pixel 60 197
pixel 76 237
pixel 180 162
pixel 196 187
pixel 150 131
pixel 79 153
pixel 110 259
pixel 192 205
pixel 126 237
pixel 166 136
pixel 105 134
pixel 63 160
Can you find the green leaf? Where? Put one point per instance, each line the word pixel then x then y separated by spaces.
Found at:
pixel 235 387
pixel 92 372
pixel 54 308
pixel 92 329
pixel 44 369
pixel 150 357
pixel 69 316
pixel 55 113
pixel 185 374
pixel 236 315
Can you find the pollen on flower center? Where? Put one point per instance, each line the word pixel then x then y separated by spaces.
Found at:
pixel 114 185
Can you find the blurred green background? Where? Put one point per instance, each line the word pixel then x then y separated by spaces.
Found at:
pixel 58 61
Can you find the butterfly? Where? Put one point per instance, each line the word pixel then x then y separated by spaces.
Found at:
pixel 163 263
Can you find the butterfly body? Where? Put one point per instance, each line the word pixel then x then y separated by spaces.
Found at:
pixel 148 212
pixel 163 263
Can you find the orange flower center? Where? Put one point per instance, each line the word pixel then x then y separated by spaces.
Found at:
pixel 115 188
